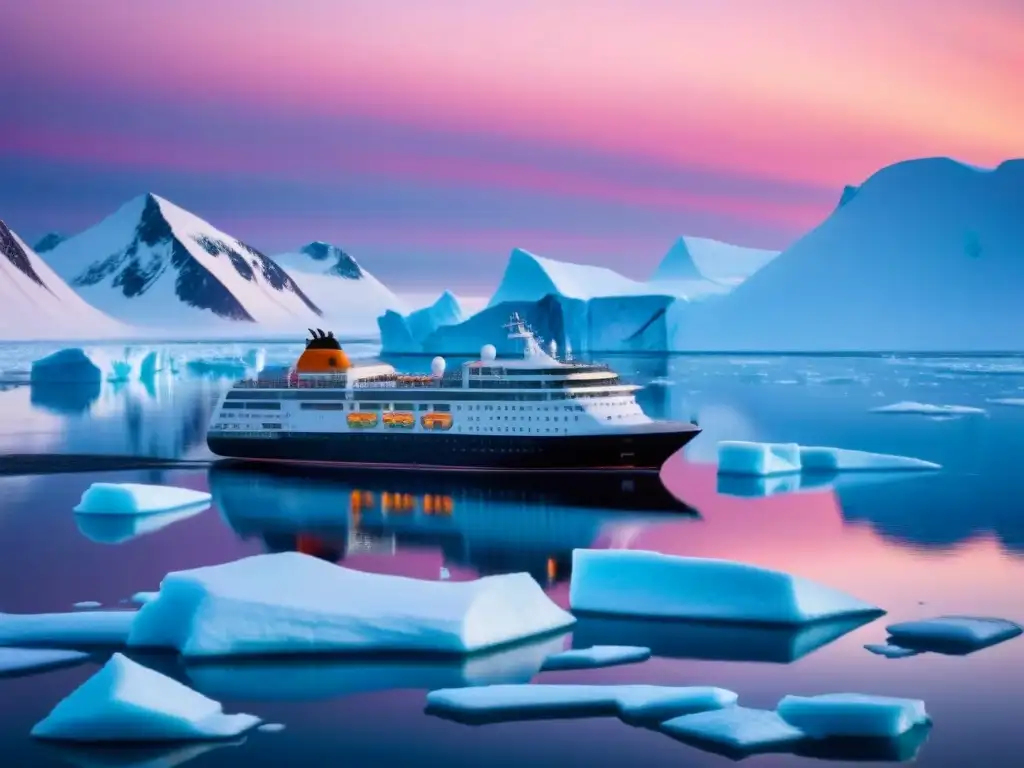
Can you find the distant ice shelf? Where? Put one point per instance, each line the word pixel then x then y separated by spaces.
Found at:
pixel 910 408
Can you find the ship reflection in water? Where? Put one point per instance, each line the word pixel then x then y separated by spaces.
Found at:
pixel 491 523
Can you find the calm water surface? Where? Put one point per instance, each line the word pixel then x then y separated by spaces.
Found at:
pixel 952 542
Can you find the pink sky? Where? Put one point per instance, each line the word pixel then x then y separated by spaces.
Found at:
pixel 479 125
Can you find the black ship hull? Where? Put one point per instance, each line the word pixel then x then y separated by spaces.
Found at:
pixel 645 449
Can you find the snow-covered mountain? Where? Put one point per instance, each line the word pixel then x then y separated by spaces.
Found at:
pixel 36 304
pixel 350 298
pixel 698 259
pixel 926 255
pixel 156 265
pixel 529 277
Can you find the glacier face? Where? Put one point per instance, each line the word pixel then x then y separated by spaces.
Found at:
pixel 36 304
pixel 152 263
pixel 350 298
pixel 925 255
pixel 407 334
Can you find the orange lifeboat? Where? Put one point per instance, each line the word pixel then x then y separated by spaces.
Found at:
pixel 436 420
pixel 362 419
pixel 399 419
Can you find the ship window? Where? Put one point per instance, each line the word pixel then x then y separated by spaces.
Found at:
pixel 404 407
pixel 263 406
pixel 271 426
pixel 233 405
pixel 443 408
pixel 369 406
pixel 424 407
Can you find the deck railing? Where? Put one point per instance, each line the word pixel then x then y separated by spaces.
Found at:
pixel 340 381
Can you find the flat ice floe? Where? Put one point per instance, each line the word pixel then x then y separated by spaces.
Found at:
pixel 750 459
pixel 737 729
pixel 911 408
pixel 890 651
pixel 1011 401
pixel 596 656
pixel 138 499
pixel 125 701
pixel 289 603
pixel 653 585
pixel 76 629
pixel 952 634
pixel 852 715
pixel 86 604
pixel 651 703
pixel 16 661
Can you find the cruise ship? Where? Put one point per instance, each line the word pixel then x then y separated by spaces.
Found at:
pixel 530 411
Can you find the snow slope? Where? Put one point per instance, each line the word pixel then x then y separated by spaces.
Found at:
pixel 700 259
pixel 36 304
pixel 154 264
pixel 529 278
pixel 926 255
pixel 350 297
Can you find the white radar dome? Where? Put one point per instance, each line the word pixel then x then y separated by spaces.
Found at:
pixel 488 352
pixel 437 366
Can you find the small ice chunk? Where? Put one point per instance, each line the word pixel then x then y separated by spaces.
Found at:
pixel 653 585
pixel 910 408
pixel 852 715
pixel 740 457
pixel 137 499
pixel 953 634
pixel 736 728
pixel 1012 401
pixel 288 603
pixel 66 629
pixel 748 459
pixel 87 604
pixel 141 598
pixel 816 459
pixel 493 703
pixel 891 651
pixel 20 660
pixel 596 656
pixel 126 701
pixel 271 727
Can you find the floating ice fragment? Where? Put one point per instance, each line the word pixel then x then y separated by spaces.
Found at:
pixel 21 660
pixel 66 629
pixel 87 604
pixel 596 656
pixel 1013 401
pixel 125 701
pixel 749 459
pixel 891 651
pixel 496 703
pixel 137 499
pixel 288 603
pixel 911 408
pixel 650 584
pixel 271 728
pixel 852 715
pixel 737 729
pixel 956 635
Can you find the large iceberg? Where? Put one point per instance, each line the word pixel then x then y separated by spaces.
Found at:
pixel 653 585
pixel 407 334
pixel 125 701
pixel 737 457
pixel 637 703
pixel 72 367
pixel 138 499
pixel 288 603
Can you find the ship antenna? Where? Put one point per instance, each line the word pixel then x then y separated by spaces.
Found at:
pixel 330 334
pixel 321 332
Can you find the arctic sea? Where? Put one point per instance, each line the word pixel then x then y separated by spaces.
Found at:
pixel 951 542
